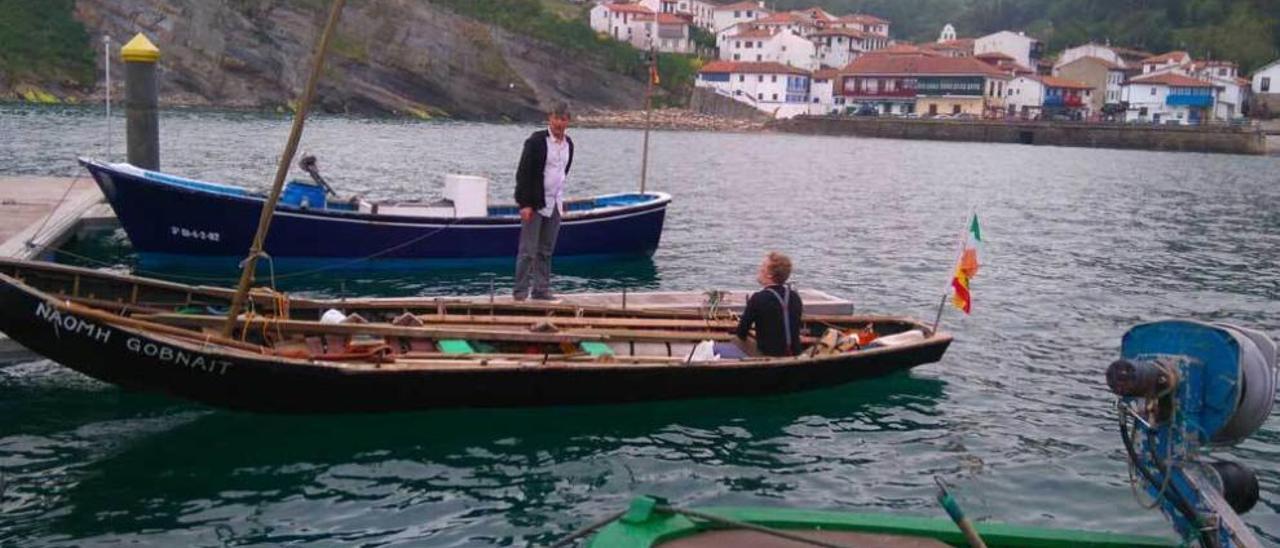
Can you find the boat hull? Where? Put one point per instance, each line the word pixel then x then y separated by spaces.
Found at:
pixel 855 529
pixel 166 221
pixel 126 356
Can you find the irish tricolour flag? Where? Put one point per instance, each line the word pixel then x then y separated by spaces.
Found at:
pixel 967 267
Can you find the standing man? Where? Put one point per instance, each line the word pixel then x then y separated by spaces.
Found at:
pixel 540 181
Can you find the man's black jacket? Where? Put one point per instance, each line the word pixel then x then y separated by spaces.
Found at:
pixel 533 162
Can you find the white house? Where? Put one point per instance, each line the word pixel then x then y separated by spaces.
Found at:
pixel 1231 90
pixel 866 23
pixel 643 27
pixel 704 14
pixel 1266 80
pixel 631 23
pixel 1168 98
pixel 1088 50
pixel 822 96
pixel 1175 61
pixel 1024 50
pixel 777 89
pixel 673 33
pixel 768 45
pixel 837 47
pixel 1024 97
pixel 729 15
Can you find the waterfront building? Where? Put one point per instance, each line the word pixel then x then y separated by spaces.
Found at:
pixel 779 90
pixel 1168 98
pixel 823 98
pixel 923 83
pixel 768 44
pixel 1024 50
pixel 729 15
pixel 1106 78
pixel 1034 96
pixel 1265 87
pixel 1231 91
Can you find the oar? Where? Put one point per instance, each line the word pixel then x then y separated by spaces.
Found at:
pixel 957 515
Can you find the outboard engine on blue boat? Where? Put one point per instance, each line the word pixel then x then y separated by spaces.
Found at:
pixel 1185 388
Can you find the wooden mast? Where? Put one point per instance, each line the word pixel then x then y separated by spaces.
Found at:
pixel 648 112
pixel 282 170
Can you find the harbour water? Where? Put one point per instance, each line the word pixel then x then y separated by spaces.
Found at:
pixel 1079 245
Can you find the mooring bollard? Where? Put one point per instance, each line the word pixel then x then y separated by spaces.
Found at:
pixel 142 123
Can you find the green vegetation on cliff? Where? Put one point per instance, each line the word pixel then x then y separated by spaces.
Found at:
pixel 1245 31
pixel 562 27
pixel 39 40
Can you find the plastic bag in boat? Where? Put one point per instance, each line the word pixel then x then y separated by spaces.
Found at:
pixel 704 351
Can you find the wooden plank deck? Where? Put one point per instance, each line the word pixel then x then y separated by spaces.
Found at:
pixel 40 213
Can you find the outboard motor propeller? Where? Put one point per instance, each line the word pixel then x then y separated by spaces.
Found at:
pixel 1186 387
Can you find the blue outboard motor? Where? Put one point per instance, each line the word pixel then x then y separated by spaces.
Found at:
pixel 1185 388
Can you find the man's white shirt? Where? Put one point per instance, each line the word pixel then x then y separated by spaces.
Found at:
pixel 553 175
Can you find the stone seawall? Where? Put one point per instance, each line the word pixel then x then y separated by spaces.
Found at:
pixel 1224 139
pixel 707 102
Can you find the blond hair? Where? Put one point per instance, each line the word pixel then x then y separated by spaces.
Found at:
pixel 778 266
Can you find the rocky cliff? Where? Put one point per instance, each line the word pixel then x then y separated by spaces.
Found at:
pixel 388 56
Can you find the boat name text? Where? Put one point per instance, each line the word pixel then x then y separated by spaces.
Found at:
pixel 195 234
pixel 71 324
pixel 176 357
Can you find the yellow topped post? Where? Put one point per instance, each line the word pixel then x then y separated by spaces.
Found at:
pixel 142 124
pixel 140 50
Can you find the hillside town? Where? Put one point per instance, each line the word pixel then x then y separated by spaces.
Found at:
pixel 811 62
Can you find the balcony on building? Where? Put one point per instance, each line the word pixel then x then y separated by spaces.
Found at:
pixel 1190 97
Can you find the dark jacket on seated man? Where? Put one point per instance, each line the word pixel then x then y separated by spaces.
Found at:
pixel 773 327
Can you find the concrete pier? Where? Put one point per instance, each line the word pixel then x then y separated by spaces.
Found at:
pixel 38 214
pixel 1246 139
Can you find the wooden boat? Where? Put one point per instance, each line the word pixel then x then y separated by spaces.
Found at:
pixel 160 336
pixel 842 529
pixel 170 218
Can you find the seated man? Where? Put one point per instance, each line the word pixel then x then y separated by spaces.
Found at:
pixel 774 311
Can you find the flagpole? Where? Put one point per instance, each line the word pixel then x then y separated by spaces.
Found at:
pixel 648 109
pixel 964 235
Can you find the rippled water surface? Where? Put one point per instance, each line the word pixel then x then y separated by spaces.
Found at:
pixel 1080 245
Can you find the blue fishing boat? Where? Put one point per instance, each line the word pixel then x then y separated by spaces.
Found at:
pixel 172 219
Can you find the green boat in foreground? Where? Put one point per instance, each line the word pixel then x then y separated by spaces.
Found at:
pixel 650 523
pixel 1184 387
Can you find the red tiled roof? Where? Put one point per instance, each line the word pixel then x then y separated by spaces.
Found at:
pixel 815 13
pixel 826 74
pixel 840 32
pixel 904 48
pixel 1108 64
pixel 1243 81
pixel 994 55
pixel 1055 82
pixel 780 18
pixel 878 63
pixel 1175 56
pixel 767 67
pixel 673 19
pixel 959 44
pixel 1172 79
pixel 754 33
pixel 861 18
pixel 628 8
